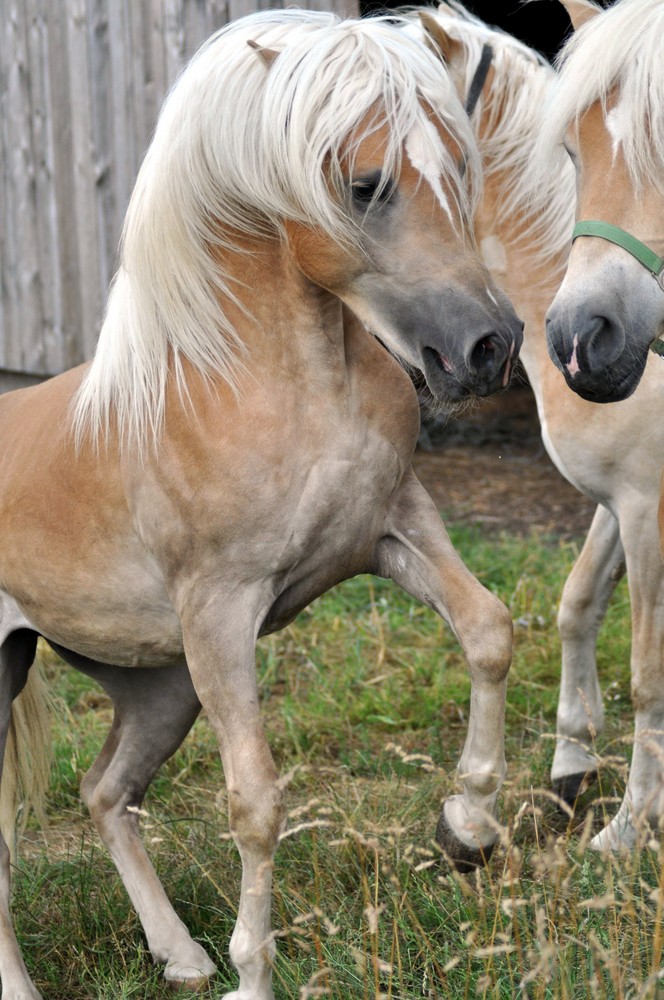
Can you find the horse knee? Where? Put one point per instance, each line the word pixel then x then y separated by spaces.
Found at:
pixel 647 694
pixel 583 603
pixel 257 821
pixel 108 801
pixel 488 645
pixel 575 616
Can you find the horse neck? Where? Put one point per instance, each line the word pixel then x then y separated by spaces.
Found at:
pixel 292 327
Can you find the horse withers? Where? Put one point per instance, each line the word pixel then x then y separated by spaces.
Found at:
pixel 241 441
pixel 608 108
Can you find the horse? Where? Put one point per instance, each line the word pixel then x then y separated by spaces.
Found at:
pixel 242 439
pixel 610 453
pixel 608 109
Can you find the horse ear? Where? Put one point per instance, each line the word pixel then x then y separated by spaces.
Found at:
pixel 580 11
pixel 267 55
pixel 438 38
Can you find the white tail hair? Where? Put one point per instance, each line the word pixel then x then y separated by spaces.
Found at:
pixel 28 754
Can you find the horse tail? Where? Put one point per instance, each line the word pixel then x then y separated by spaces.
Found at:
pixel 28 757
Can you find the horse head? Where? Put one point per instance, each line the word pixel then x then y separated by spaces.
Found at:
pixel 352 170
pixel 608 110
pixel 406 180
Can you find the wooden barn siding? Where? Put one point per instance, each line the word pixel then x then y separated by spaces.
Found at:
pixel 81 84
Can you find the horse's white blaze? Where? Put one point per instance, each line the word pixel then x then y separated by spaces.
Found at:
pixel 617 125
pixel 491 296
pixel 424 150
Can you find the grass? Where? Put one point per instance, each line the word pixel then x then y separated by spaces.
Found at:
pixel 365 699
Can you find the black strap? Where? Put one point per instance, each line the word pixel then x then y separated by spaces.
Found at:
pixel 479 78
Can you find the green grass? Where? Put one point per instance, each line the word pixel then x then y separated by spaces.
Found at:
pixel 365 700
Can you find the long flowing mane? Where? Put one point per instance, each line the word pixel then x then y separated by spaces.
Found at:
pixel 539 210
pixel 242 144
pixel 617 54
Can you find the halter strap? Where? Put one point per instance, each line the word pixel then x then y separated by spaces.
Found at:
pixel 607 231
pixel 479 78
pixel 642 253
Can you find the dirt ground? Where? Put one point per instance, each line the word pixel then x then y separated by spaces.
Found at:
pixel 490 467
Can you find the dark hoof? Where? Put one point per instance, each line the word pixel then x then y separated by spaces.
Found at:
pixel 465 859
pixel 572 786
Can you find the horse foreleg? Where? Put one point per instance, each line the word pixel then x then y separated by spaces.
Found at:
pixel 417 554
pixel 16 655
pixel 642 808
pixel 154 711
pixel 583 604
pixel 220 649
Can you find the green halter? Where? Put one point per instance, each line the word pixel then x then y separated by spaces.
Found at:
pixel 638 250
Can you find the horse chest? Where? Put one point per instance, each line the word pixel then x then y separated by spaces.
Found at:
pixel 331 530
pixel 287 524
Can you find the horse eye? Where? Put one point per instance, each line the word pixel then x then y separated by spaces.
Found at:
pixel 373 188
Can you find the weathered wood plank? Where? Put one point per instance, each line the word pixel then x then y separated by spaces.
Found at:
pixel 24 347
pixel 81 84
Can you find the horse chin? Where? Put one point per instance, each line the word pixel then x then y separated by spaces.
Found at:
pixel 435 408
pixel 611 385
pixel 447 389
pixel 452 387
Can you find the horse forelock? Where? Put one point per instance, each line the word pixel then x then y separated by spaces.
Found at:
pixel 616 57
pixel 242 145
pixel 511 108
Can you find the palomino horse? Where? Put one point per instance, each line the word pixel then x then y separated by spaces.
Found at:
pixel 611 453
pixel 241 442
pixel 608 108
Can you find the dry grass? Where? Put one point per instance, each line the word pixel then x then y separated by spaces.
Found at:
pixel 362 714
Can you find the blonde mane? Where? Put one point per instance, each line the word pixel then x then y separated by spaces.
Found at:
pixel 618 54
pixel 242 144
pixel 514 109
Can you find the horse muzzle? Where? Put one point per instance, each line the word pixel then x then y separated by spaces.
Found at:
pixel 476 361
pixel 590 347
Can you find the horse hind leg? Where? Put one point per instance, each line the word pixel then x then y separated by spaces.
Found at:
pixel 16 656
pixel 154 711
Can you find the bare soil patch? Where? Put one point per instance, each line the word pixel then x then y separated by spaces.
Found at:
pixel 489 467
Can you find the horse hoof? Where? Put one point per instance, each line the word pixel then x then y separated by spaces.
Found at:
pixel 571 786
pixel 189 978
pixel 464 858
pixel 197 985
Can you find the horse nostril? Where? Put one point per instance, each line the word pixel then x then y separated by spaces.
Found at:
pixel 438 360
pixel 601 341
pixel 487 356
pixel 598 330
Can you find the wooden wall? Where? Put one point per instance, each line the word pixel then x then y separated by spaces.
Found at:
pixel 81 83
